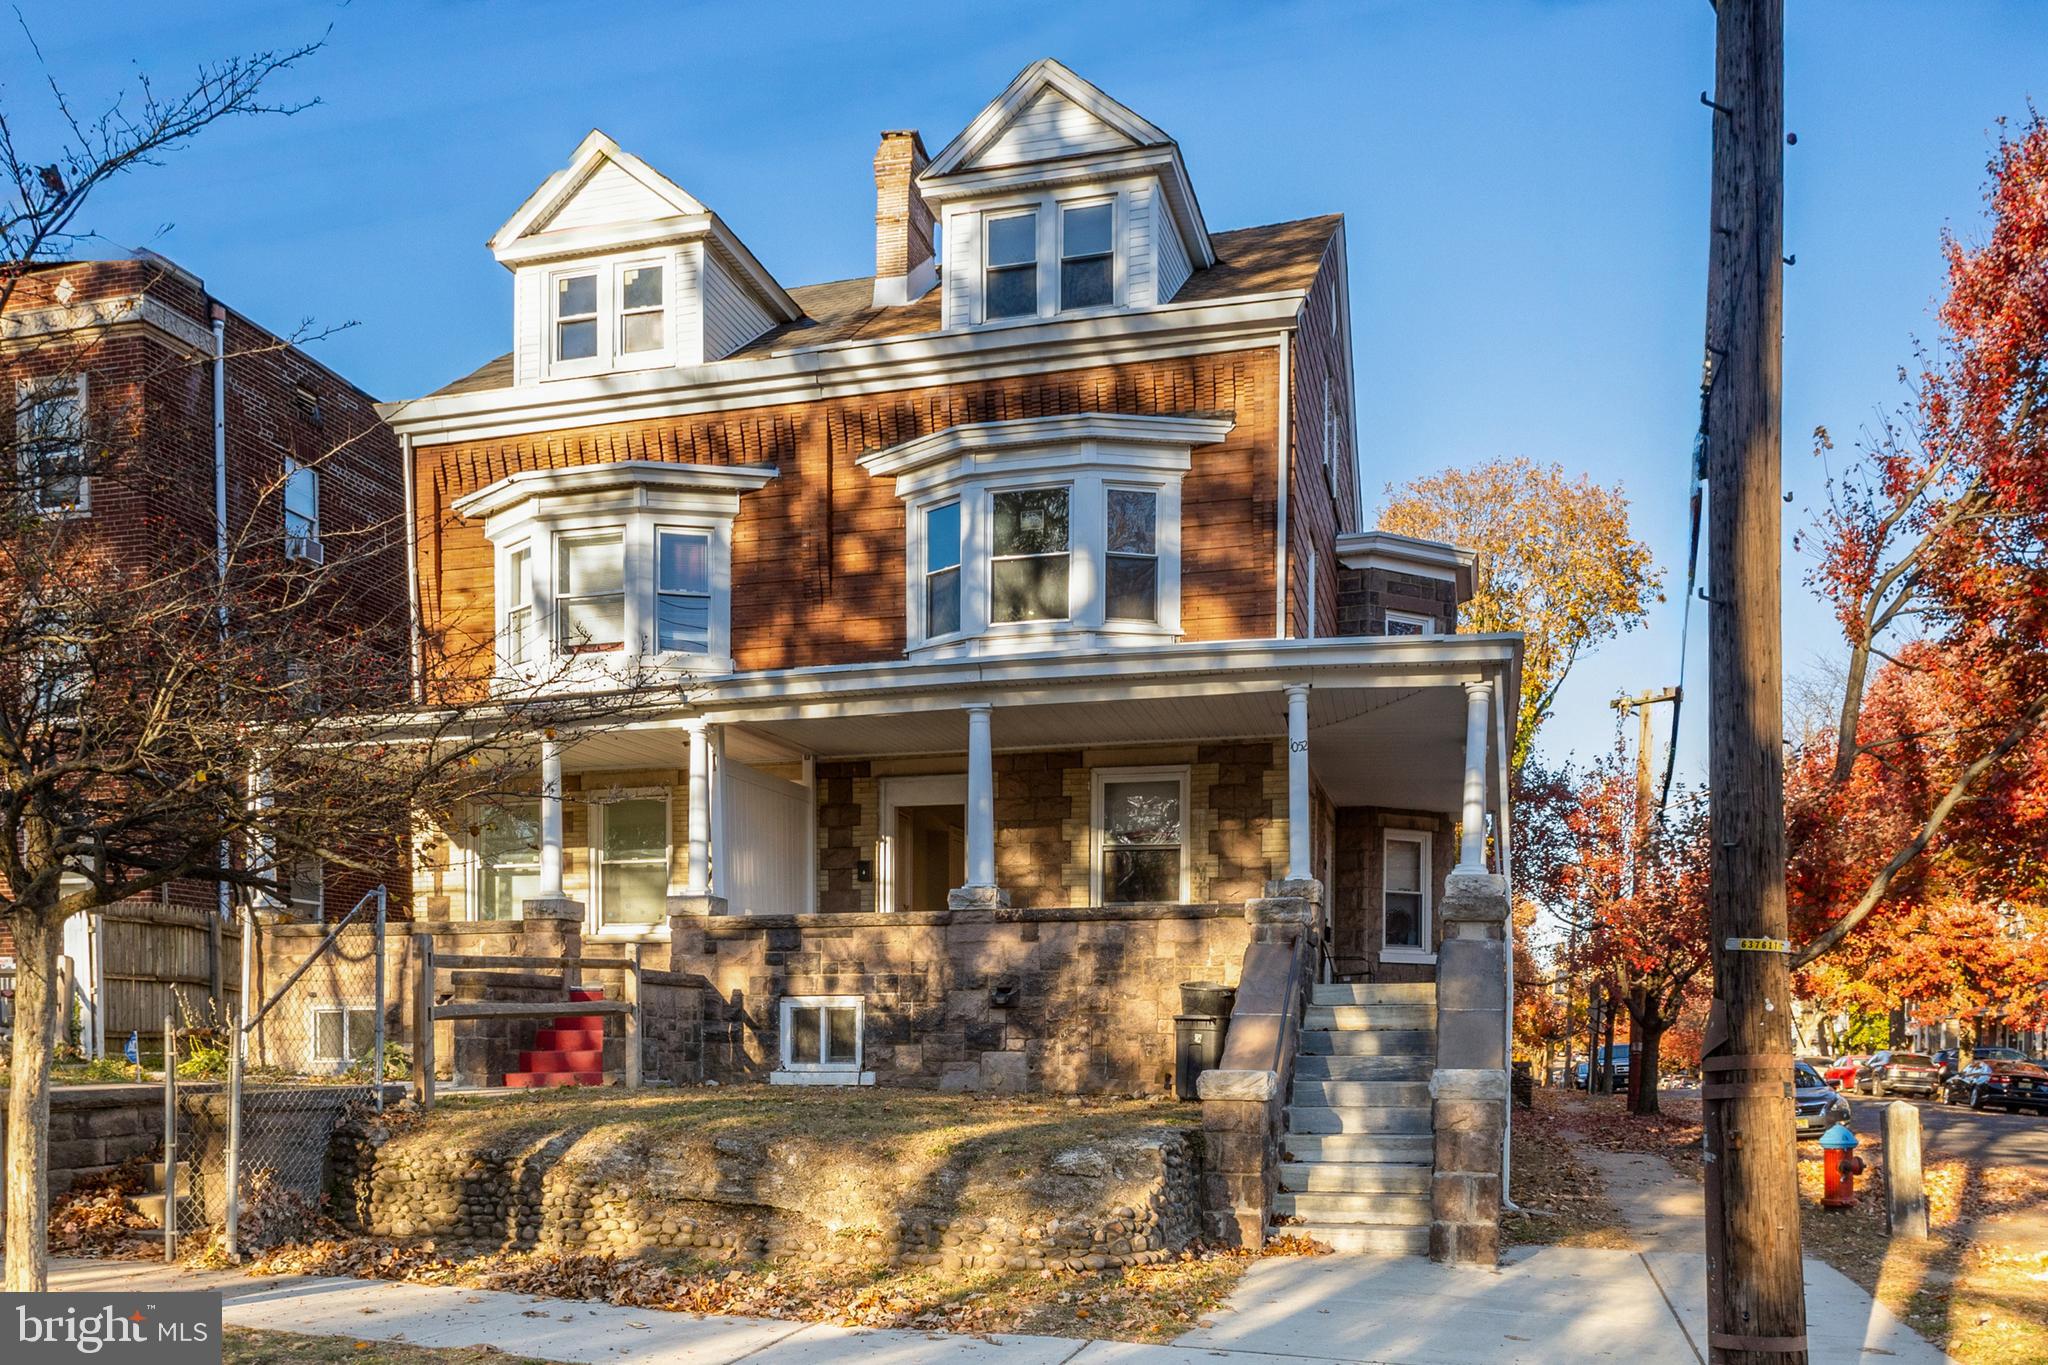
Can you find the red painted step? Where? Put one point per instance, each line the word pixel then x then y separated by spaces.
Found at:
pixel 571 1052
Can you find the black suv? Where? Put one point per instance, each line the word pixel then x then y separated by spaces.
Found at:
pixel 1900 1073
pixel 2010 1084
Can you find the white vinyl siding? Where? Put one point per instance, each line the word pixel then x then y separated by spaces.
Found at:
pixel 1170 268
pixel 609 196
pixel 529 307
pixel 731 316
pixel 961 241
pixel 1051 125
pixel 1139 214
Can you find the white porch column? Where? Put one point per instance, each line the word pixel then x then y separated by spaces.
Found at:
pixel 1299 866
pixel 1472 824
pixel 550 819
pixel 981 798
pixel 697 868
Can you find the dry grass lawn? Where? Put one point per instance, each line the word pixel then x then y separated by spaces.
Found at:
pixel 246 1346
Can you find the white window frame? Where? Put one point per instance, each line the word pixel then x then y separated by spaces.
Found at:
pixel 23 388
pixel 594 921
pixel 609 319
pixel 344 1008
pixel 302 544
pixel 1157 556
pixel 989 218
pixel 1051 209
pixel 652 641
pixel 921 614
pixel 1426 922
pixel 473 866
pixel 1428 624
pixel 990 557
pixel 1100 779
pixel 518 641
pixel 794 1072
pixel 558 560
pixel 1114 202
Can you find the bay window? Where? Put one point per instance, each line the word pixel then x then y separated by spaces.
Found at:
pixel 1131 569
pixel 1029 557
pixel 682 589
pixel 517 644
pixel 1140 835
pixel 590 593
pixel 942 569
pixel 632 862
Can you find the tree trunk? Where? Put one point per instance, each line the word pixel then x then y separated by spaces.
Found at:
pixel 36 941
pixel 1642 1064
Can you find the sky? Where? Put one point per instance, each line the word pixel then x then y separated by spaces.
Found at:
pixel 1525 184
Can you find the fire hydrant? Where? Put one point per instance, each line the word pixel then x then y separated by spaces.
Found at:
pixel 1840 1164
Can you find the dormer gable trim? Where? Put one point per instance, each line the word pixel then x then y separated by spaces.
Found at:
pixel 590 156
pixel 1043 74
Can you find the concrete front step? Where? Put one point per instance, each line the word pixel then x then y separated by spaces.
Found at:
pixel 1374 993
pixel 1412 1119
pixel 1370 1094
pixel 1401 1042
pixel 1342 1017
pixel 1305 1148
pixel 1326 1067
pixel 1377 1210
pixel 1362 1237
pixel 1355 1177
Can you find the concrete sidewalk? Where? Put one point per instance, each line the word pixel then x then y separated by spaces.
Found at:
pixel 1545 1306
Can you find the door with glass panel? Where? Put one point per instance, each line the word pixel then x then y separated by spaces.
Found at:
pixel 631 848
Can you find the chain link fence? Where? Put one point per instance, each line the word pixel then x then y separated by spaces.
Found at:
pixel 250 1156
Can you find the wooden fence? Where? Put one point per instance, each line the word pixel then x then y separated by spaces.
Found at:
pixel 156 958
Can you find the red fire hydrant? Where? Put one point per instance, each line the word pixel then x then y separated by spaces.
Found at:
pixel 1840 1165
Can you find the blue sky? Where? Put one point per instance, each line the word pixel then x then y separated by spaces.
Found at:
pixel 1526 188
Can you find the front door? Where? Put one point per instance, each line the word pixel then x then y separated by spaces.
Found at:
pixel 923 853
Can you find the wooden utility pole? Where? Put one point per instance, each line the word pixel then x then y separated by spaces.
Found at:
pixel 1756 1311
pixel 1645 817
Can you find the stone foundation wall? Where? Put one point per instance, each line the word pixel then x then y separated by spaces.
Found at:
pixel 487 1200
pixel 94 1128
pixel 1069 1001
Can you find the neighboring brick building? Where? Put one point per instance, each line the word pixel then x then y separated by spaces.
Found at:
pixel 1019 600
pixel 128 348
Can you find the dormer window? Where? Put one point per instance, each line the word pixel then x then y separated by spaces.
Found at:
pixel 1011 280
pixel 1087 256
pixel 576 317
pixel 642 306
pixel 610 316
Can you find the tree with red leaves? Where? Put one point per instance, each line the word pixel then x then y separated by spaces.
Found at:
pixel 1931 787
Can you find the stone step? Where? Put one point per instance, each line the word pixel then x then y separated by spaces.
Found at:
pixel 1362 1237
pixel 1380 1148
pixel 1407 1042
pixel 1355 1177
pixel 1373 1094
pixel 1377 1210
pixel 1413 1119
pixel 1330 1067
pixel 1374 993
pixel 1341 1017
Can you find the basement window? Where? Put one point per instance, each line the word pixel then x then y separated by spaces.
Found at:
pixel 821 1041
pixel 343 1034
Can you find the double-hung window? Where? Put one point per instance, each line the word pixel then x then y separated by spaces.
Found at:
pixel 301 511
pixel 590 593
pixel 518 643
pixel 1010 277
pixel 1030 550
pixel 682 591
pixel 576 317
pixel 632 861
pixel 1404 891
pixel 1087 256
pixel 507 860
pixel 50 436
pixel 1141 842
pixel 642 304
pixel 1131 570
pixel 942 569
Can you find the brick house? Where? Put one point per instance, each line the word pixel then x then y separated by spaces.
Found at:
pixel 1034 659
pixel 136 350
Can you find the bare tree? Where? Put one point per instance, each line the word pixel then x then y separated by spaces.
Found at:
pixel 192 702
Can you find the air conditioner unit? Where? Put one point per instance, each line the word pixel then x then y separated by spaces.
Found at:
pixel 305 547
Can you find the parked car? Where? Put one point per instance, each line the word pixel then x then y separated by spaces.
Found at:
pixel 2011 1083
pixel 1815 1105
pixel 1620 1067
pixel 1842 1070
pixel 1903 1073
pixel 1950 1060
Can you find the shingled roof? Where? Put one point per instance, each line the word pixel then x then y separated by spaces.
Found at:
pixel 1249 261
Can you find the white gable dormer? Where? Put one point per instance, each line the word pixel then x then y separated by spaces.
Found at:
pixel 1058 201
pixel 616 267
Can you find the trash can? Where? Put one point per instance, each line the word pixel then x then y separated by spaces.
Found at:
pixel 1207 997
pixel 1197 1047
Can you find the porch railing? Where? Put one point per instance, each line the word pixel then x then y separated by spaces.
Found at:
pixel 426 1013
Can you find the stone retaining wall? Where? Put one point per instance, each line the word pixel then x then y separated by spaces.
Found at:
pixel 486 1200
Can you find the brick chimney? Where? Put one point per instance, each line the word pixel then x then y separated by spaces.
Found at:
pixel 904 268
